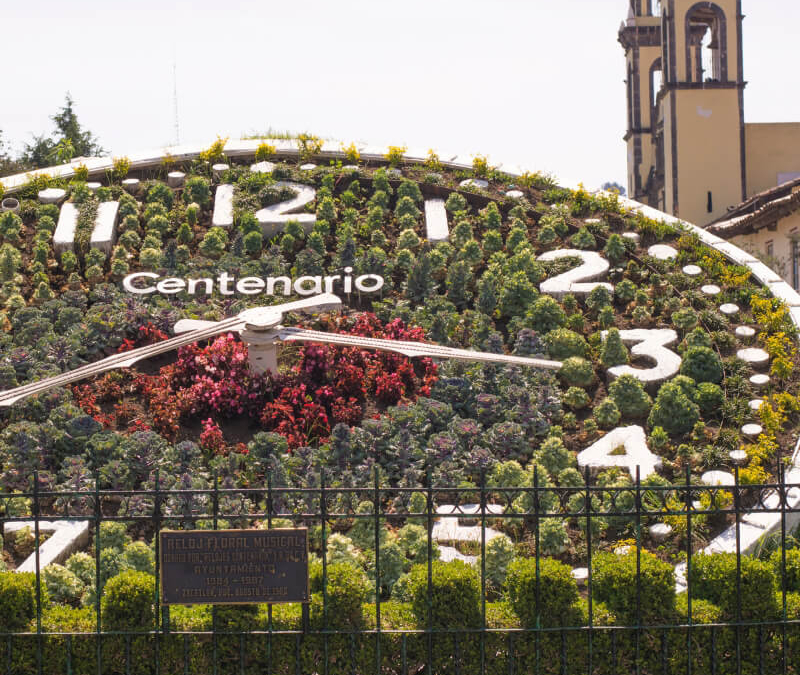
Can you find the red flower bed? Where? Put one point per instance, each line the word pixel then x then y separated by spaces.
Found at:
pixel 327 385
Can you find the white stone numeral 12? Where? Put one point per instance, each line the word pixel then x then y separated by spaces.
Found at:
pixel 593 266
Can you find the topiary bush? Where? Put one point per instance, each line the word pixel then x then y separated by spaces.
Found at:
pixel 714 578
pixel 346 592
pixel 63 586
pixel 709 397
pixel 546 315
pixel 562 343
pixel 792 568
pixel 673 410
pixel 630 397
pixel 553 603
pixel 18 600
pixel 702 364
pixel 576 398
pixel 553 455
pixel 607 414
pixel 577 372
pixel 614 583
pixel 455 595
pixel 613 352
pixel 127 601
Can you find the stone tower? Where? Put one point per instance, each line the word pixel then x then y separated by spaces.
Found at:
pixel 685 91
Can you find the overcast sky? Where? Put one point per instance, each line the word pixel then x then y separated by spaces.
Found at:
pixel 533 82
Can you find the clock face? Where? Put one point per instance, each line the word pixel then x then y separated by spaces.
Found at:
pixel 663 351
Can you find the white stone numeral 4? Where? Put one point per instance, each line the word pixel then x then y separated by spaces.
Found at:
pixel 593 266
pixel 651 344
pixel 273 218
pixel 605 453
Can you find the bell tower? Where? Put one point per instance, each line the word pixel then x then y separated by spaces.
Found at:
pixel 686 132
pixel 640 36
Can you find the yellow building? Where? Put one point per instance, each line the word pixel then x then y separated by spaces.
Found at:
pixel 690 152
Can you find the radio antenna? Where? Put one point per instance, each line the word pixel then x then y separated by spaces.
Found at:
pixel 175 99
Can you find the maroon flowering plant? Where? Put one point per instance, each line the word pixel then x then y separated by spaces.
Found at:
pixel 327 385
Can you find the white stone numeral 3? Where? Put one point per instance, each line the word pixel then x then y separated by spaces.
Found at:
pixel 593 266
pixel 651 344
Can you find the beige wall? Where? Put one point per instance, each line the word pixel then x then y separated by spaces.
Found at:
pixel 781 258
pixel 771 149
pixel 709 157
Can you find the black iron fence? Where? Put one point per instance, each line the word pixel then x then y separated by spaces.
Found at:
pixel 737 613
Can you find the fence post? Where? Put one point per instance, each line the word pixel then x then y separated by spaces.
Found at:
pixel 737 501
pixel 536 516
pixel 215 643
pixel 376 509
pixel 38 573
pixel 587 477
pixel 429 509
pixel 483 570
pixel 157 515
pixel 688 505
pixel 782 489
pixel 638 503
pixel 269 606
pixel 97 514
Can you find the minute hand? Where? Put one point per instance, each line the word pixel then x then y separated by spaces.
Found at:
pixel 412 348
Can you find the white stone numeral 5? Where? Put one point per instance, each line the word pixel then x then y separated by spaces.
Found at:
pixel 651 344
pixel 273 218
pixel 593 266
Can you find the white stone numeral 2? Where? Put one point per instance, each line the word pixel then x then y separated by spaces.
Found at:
pixel 650 344
pixel 273 218
pixel 593 266
pixel 604 453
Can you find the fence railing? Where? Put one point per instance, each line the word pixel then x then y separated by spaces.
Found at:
pixel 711 626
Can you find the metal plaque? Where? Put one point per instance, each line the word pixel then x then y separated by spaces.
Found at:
pixel 234 567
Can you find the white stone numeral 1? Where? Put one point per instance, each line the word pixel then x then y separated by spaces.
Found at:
pixel 651 344
pixel 593 266
pixel 604 454
pixel 273 218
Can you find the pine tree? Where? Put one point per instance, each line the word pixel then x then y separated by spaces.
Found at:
pixel 613 352
pixel 420 282
pixel 457 281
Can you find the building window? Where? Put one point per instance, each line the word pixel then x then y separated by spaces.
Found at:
pixel 656 80
pixel 795 262
pixel 710 202
pixel 655 7
pixel 770 249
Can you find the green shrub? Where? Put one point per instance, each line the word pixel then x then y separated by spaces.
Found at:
pixel 127 602
pixel 546 315
pixel 629 395
pixel 583 239
pixel 607 414
pixel 113 534
pixel 455 595
pixel 576 398
pixel 597 298
pixel 613 352
pixel 625 291
pixel 18 600
pixel 553 455
pixel 553 538
pixel 614 583
pixel 557 592
pixel 684 319
pixel 197 190
pixel 214 242
pixel 673 410
pixel 702 364
pixel 139 556
pixel 577 372
pixel 562 343
pixel 713 578
pixel 346 592
pixel 161 194
pixel 62 585
pixel 500 553
pixel 709 397
pixel 792 569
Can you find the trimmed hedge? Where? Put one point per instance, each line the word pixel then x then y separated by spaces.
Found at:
pixel 454 595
